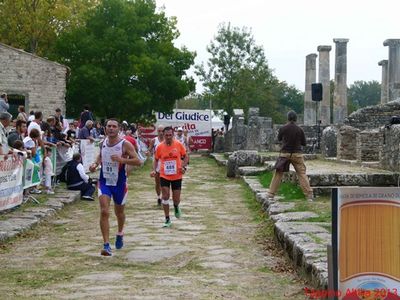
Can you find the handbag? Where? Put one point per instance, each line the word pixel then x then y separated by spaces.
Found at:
pixel 282 164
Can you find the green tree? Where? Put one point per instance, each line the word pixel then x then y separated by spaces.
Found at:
pixel 123 61
pixel 289 98
pixel 363 93
pixel 33 25
pixel 193 101
pixel 237 73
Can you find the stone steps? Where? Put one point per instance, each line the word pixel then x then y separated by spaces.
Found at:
pixel 17 222
pixel 305 242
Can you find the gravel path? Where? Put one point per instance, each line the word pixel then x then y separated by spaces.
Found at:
pixel 210 253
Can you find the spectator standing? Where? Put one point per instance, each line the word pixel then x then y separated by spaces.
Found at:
pixel 97 131
pixel 31 143
pixel 5 120
pixel 292 138
pixel 36 122
pixel 31 116
pixel 76 126
pixel 63 121
pixel 86 115
pixel 21 114
pixel 4 106
pixel 71 133
pixel 48 171
pixel 84 132
pixel 18 134
pixel 77 179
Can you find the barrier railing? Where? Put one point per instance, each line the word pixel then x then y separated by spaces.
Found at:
pixel 19 174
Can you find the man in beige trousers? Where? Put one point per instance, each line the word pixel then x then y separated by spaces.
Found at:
pixel 292 138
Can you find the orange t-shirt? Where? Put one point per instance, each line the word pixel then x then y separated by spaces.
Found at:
pixel 170 158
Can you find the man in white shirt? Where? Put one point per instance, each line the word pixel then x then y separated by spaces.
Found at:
pixel 77 179
pixel 36 122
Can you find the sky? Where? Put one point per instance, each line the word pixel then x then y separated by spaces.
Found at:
pixel 288 30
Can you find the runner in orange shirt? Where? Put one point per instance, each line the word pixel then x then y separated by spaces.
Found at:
pixel 173 162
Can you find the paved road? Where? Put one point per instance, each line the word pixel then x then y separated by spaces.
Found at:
pixel 210 253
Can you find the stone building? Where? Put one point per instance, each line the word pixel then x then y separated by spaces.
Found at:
pixel 32 81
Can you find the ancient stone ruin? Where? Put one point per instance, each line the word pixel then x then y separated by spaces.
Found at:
pixel 256 135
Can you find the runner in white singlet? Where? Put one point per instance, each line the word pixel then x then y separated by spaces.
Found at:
pixel 115 153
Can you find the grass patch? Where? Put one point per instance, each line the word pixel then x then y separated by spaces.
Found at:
pixel 264 270
pixel 266 228
pixel 323 217
pixel 36 278
pixel 316 239
pixel 287 190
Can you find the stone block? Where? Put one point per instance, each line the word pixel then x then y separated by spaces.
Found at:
pixel 293 216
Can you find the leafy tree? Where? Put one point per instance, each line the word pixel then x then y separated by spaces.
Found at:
pixel 289 98
pixel 193 101
pixel 363 93
pixel 123 61
pixel 237 73
pixel 33 25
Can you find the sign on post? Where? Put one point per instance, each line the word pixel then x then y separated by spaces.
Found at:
pixel 11 188
pixel 366 243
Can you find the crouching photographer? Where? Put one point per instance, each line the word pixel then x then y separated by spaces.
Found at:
pixel 77 179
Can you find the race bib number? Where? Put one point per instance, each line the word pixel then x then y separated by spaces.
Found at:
pixel 170 167
pixel 110 173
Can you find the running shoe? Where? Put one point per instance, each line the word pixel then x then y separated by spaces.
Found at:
pixel 106 250
pixel 178 212
pixel 119 241
pixel 167 224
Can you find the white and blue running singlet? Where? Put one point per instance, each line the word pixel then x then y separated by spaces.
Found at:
pixel 112 180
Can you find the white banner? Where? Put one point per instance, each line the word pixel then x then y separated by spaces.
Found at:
pixel 11 189
pixel 88 153
pixel 196 122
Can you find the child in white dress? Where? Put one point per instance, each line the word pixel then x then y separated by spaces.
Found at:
pixel 48 171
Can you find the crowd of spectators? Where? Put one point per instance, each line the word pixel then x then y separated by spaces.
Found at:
pixel 35 136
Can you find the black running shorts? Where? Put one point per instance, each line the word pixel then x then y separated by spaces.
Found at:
pixel 174 184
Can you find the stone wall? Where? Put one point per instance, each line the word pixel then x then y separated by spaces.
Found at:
pixel 329 141
pixel 257 135
pixel 373 116
pixel 40 81
pixel 369 143
pixel 347 143
pixel 389 158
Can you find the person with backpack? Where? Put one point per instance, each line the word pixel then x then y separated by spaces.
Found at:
pixel 76 178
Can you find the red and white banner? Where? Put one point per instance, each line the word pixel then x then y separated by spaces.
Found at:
pixel 196 122
pixel 11 188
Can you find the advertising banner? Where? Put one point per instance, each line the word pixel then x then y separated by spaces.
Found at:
pixel 11 189
pixel 31 175
pixel 366 243
pixel 196 122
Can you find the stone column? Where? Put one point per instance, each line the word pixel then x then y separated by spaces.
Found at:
pixel 340 93
pixel 384 83
pixel 393 68
pixel 311 77
pixel 324 77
